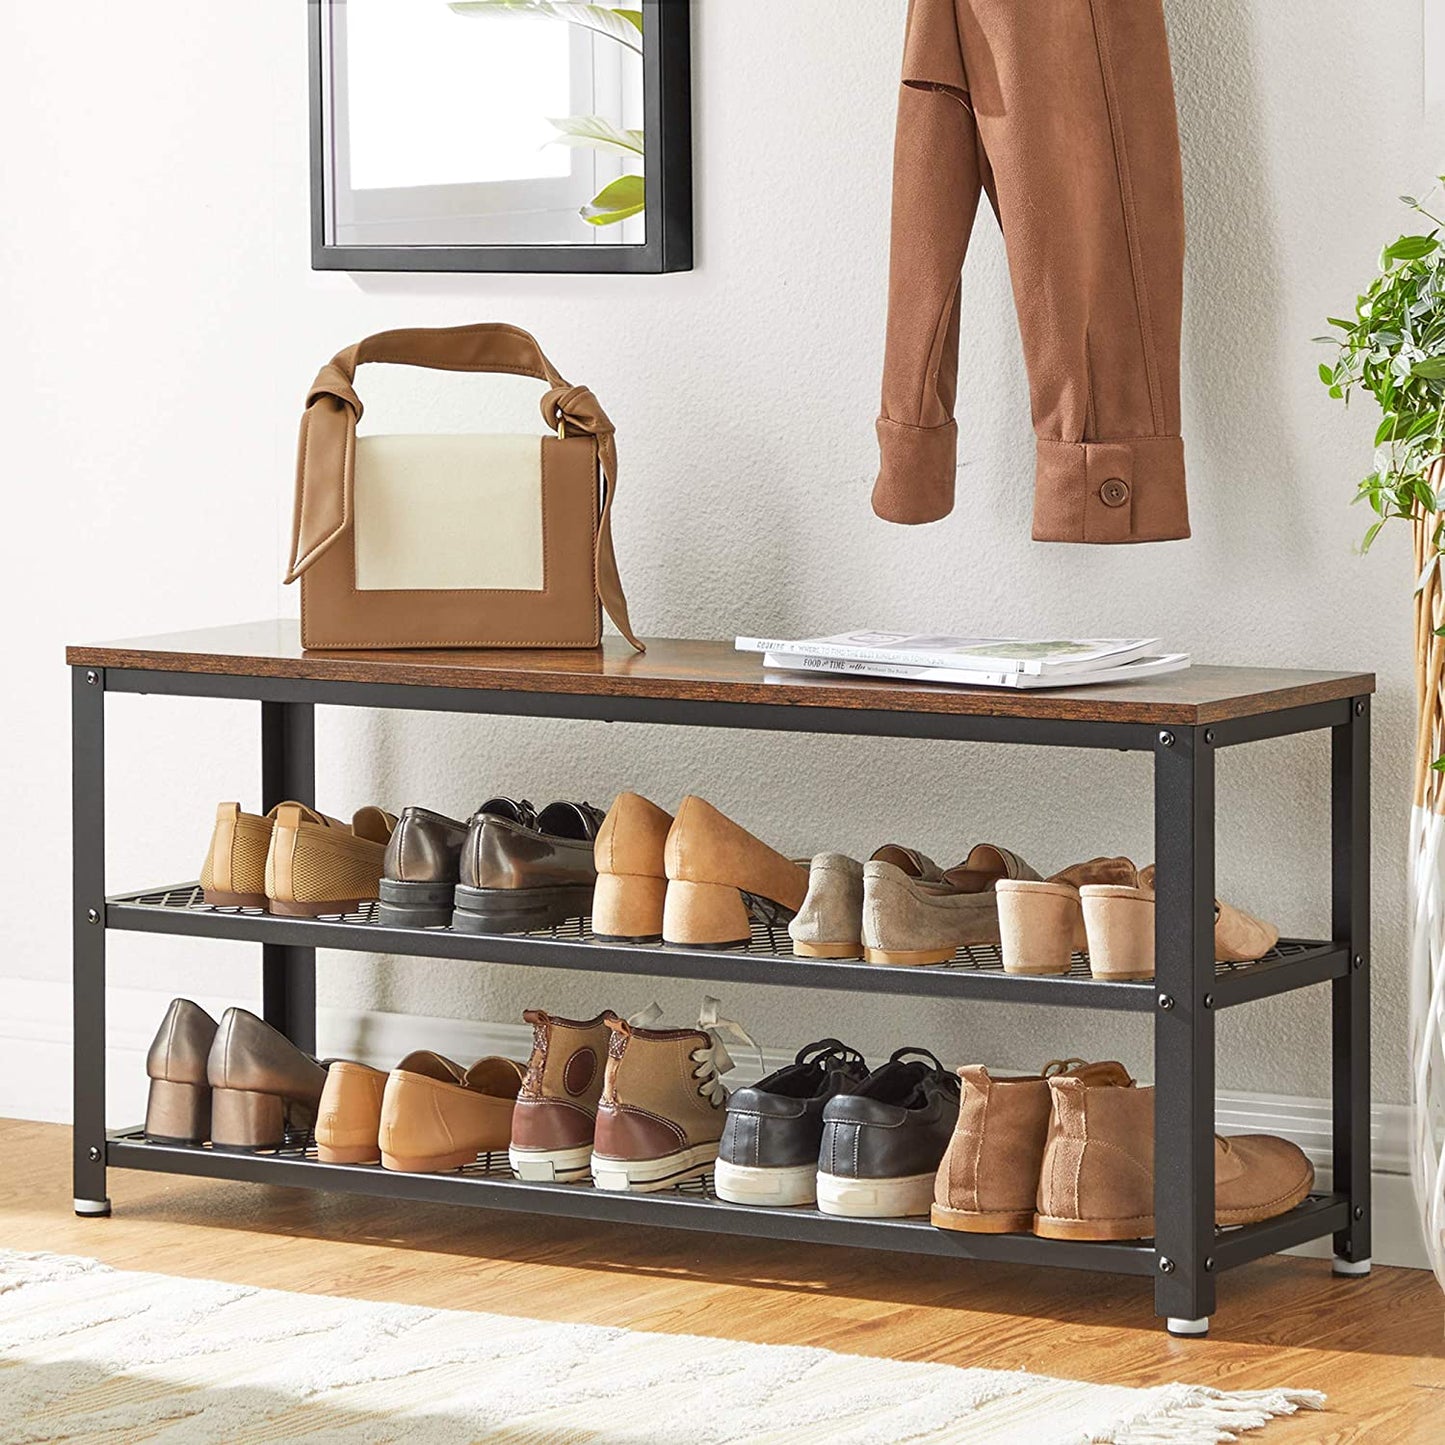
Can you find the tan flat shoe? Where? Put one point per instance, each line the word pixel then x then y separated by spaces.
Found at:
pixel 1119 922
pixel 436 1116
pixel 317 865
pixel 1041 924
pixel 830 922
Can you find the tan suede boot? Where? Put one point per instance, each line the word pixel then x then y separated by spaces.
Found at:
pixel 663 1105
pixel 556 1115
pixel 1097 1180
pixel 317 865
pixel 988 1182
pixel 718 875
pixel 1119 921
pixel 631 876
pixel 436 1116
pixel 1041 925
pixel 348 1121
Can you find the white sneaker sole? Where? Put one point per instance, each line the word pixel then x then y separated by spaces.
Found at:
pixel 647 1176
pixel 753 1184
pixel 875 1198
pixel 551 1166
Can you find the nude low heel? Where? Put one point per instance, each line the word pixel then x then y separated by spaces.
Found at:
pixel 1119 922
pixel 178 1113
pixel 244 1121
pixel 628 908
pixel 704 915
pixel 1039 926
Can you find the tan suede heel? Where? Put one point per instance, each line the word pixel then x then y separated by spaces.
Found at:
pixel 244 1119
pixel 1039 926
pixel 704 915
pixel 628 908
pixel 1119 923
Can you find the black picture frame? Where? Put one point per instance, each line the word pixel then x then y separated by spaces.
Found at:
pixel 667 122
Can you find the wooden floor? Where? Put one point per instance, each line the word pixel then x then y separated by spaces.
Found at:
pixel 1373 1345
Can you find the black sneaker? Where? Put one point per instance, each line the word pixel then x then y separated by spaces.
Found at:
pixel 769 1148
pixel 882 1143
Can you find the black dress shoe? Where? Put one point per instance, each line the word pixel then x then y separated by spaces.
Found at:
pixel 882 1143
pixel 422 867
pixel 769 1148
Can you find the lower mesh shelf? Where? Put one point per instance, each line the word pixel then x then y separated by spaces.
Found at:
pixel 767 940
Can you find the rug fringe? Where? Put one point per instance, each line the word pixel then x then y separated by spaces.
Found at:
pixel 1203 1416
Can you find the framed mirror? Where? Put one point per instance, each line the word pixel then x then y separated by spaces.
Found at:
pixel 501 135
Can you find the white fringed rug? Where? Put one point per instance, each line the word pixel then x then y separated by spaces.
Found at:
pixel 90 1354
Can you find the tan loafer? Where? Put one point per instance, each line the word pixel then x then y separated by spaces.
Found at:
pixel 830 922
pixel 912 922
pixel 348 1119
pixel 234 873
pixel 436 1116
pixel 317 865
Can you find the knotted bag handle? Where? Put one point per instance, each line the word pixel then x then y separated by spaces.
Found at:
pixel 328 434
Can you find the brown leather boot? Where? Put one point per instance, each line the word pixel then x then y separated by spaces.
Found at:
pixel 1097 1180
pixel 179 1108
pixel 556 1114
pixel 436 1116
pixel 718 875
pixel 988 1182
pixel 264 1090
pixel 663 1106
pixel 631 875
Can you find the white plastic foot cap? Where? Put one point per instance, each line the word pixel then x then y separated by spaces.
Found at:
pixel 1352 1266
pixel 1188 1327
pixel 92 1206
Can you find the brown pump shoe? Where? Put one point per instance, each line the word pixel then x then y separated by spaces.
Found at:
pixel 555 1118
pixel 264 1090
pixel 1097 1180
pixel 718 875
pixel 631 874
pixel 178 1110
pixel 988 1182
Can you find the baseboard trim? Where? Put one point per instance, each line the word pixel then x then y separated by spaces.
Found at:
pixel 35 1083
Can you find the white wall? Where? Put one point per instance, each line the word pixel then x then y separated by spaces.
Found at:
pixel 160 325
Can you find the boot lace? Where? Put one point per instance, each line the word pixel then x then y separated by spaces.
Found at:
pixel 714 1058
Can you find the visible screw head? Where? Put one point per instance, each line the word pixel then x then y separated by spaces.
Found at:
pixel 1359 1212
pixel 1166 1001
pixel 1209 1265
pixel 93 678
pixel 1360 709
pixel 93 1154
pixel 92 915
pixel 1166 739
pixel 1359 962
pixel 1166 1265
pixel 1209 736
pixel 1209 1000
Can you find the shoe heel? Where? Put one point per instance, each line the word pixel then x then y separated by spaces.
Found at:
pixel 1119 923
pixel 178 1113
pixel 243 1120
pixel 1038 927
pixel 704 915
pixel 628 908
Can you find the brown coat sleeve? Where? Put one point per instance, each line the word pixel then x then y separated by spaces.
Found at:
pixel 936 186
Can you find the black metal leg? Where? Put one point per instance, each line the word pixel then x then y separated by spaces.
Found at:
pixel 288 774
pixel 87 811
pixel 1184 1029
pixel 1350 998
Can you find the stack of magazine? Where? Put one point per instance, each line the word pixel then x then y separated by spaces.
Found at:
pixel 1018 662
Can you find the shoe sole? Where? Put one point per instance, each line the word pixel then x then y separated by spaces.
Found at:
pixel 414 905
pixel 518 910
pixel 551 1166
pixel 827 950
pixel 899 1198
pixel 219 899
pixel 647 1176
pixel 909 958
pixel 967 1221
pixel 783 1186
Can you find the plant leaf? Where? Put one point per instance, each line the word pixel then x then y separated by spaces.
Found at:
pixel 1411 248
pixel 1371 535
pixel 623 26
pixel 1327 375
pixel 1431 369
pixel 621 199
pixel 597 132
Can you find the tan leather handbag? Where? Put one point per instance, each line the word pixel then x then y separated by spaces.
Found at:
pixel 455 541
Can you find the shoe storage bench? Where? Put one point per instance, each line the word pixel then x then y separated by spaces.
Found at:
pixel 1183 720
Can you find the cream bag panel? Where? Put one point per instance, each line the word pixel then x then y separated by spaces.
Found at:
pixel 454 512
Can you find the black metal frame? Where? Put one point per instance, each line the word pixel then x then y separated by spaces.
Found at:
pixel 667 125
pixel 1189 989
